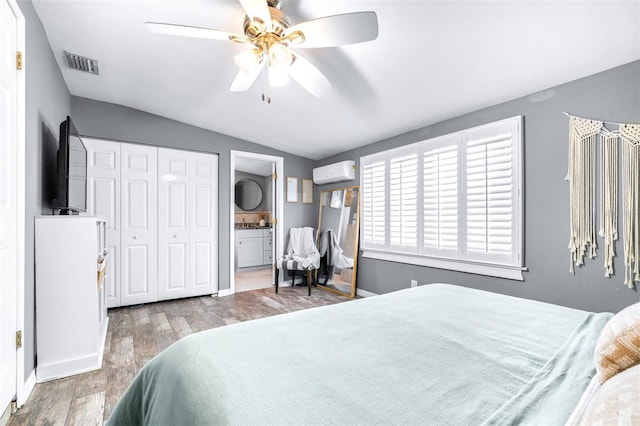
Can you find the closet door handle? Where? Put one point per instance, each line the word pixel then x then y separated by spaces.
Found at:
pixel 135 237
pixel 175 236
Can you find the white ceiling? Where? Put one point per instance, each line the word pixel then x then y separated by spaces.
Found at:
pixel 432 60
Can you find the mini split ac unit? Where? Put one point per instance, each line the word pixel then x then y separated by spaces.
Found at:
pixel 338 172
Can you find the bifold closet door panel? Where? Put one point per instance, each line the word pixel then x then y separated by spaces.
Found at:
pixel 139 222
pixel 187 231
pixel 173 226
pixel 103 192
pixel 203 226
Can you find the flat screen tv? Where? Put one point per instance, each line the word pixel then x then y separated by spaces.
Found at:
pixel 71 181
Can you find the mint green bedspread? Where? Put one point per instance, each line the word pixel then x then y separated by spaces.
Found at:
pixel 433 355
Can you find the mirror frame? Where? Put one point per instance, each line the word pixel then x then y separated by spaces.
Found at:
pixel 236 194
pixel 356 249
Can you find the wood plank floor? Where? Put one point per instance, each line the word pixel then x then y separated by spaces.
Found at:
pixel 136 334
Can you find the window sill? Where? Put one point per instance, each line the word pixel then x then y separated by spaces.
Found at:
pixel 492 270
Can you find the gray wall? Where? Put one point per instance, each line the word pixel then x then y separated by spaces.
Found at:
pixel 47 104
pixel 614 96
pixel 116 122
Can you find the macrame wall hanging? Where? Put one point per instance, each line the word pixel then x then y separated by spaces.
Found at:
pixel 630 135
pixel 587 138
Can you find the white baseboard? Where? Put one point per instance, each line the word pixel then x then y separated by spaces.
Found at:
pixel 364 293
pixel 225 292
pixel 29 384
pixel 69 367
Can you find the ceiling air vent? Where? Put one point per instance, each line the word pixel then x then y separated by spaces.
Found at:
pixel 81 63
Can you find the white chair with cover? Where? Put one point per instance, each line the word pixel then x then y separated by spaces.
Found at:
pixel 302 255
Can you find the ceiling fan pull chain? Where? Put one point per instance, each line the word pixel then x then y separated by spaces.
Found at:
pixel 265 96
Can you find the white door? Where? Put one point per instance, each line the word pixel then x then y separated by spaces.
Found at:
pixel 8 204
pixel 173 223
pixel 103 181
pixel 274 215
pixel 139 223
pixel 187 224
pixel 203 229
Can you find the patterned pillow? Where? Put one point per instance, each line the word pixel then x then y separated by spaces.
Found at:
pixel 618 347
pixel 615 402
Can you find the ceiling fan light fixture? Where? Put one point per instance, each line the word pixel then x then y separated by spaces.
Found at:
pixel 249 60
pixel 279 55
pixel 295 37
pixel 275 44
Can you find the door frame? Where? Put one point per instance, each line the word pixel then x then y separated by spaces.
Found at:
pixel 23 389
pixel 278 187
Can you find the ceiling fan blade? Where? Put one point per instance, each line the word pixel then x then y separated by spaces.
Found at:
pixel 308 76
pixel 244 79
pixel 337 30
pixel 258 11
pixel 188 31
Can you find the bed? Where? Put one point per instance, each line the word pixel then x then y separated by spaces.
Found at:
pixel 436 354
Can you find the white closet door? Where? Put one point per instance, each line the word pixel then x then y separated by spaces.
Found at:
pixel 203 226
pixel 187 219
pixel 139 221
pixel 173 226
pixel 103 181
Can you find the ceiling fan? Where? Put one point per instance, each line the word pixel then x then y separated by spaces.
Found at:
pixel 274 42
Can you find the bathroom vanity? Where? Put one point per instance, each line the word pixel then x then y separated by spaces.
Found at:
pixel 253 248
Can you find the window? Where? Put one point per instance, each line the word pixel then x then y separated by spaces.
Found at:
pixel 452 202
pixel 373 201
pixel 403 203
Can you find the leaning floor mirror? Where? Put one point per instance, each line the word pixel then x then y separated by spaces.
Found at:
pixel 338 228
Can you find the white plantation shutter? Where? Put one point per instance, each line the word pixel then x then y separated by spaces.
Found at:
pixel 490 194
pixel 452 202
pixel 440 199
pixel 403 203
pixel 373 204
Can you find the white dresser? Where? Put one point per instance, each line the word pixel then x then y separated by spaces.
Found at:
pixel 71 312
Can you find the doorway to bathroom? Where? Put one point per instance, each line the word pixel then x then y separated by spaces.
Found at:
pixel 257 207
